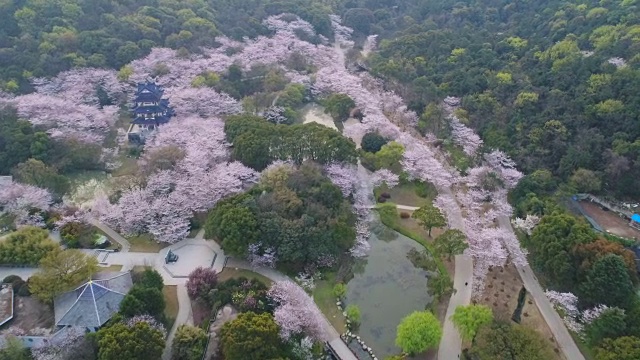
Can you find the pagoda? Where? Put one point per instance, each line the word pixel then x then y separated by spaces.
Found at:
pixel 149 110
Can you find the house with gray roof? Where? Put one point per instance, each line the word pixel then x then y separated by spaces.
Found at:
pixel 93 303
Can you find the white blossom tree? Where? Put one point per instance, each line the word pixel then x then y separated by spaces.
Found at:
pixel 296 313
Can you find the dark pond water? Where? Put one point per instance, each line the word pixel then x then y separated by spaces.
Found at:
pixel 387 287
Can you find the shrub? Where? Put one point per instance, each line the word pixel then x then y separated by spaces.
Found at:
pixel 381 199
pixel 10 279
pixel 405 215
pixel 353 313
pixel 24 290
pixel 17 284
pixel 340 290
pixel 386 195
pixel 201 281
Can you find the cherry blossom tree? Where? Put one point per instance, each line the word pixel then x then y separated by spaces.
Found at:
pixel 261 258
pixel 296 313
pixel 20 200
pixel 527 224
pixel 385 176
pixel 80 85
pixel 60 343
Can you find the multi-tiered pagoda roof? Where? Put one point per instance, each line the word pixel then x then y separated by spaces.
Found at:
pixel 149 108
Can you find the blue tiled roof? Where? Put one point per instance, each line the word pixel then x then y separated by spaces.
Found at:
pixel 93 303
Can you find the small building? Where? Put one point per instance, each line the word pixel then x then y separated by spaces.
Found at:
pixel 149 110
pixel 635 221
pixel 93 303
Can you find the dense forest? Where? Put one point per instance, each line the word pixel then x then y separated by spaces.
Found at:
pixel 552 83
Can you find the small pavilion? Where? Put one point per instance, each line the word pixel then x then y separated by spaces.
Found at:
pixel 93 303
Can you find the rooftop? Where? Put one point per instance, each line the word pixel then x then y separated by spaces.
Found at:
pixel 94 302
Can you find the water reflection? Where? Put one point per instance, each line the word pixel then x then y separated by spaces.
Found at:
pixel 388 288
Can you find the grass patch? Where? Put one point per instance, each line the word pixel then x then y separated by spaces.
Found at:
pixel 170 293
pixel 326 301
pixel 145 243
pixel 112 268
pixel 412 193
pixel 229 273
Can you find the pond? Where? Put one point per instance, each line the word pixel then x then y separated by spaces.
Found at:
pixel 387 287
pixel 315 113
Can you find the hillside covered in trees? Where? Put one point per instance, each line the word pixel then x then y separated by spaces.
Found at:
pixel 552 83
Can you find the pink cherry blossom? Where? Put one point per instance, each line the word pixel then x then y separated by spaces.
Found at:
pixel 385 176
pixel 296 312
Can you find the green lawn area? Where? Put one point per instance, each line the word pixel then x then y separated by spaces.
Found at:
pixel 229 273
pixel 407 193
pixel 326 301
pixel 170 293
pixel 145 243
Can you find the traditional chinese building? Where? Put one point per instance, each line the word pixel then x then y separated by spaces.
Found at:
pixel 149 110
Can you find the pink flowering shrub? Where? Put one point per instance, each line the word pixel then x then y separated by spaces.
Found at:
pixel 201 281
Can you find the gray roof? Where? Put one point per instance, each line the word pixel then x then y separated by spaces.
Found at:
pixel 93 303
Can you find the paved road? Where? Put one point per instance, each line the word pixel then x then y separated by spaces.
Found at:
pixel 555 323
pixel 185 316
pixel 113 234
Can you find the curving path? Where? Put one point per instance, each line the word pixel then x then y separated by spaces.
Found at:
pixel 124 243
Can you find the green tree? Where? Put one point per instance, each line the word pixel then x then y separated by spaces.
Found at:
pixel 608 283
pixel 339 290
pixel 451 242
pixel 353 313
pixel 339 106
pixel 139 342
pixel 418 332
pixel 143 300
pixel 35 172
pixel 610 324
pixel 234 225
pixel 150 278
pixel 586 181
pixel 14 350
pixel 440 285
pixel 26 246
pixel 251 336
pixel 61 271
pixel 389 156
pixel 468 319
pixel 372 142
pixel 552 243
pixel 506 341
pixel 429 217
pixel 622 348
pixel 189 343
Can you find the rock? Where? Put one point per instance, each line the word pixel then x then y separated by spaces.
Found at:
pixel 338 303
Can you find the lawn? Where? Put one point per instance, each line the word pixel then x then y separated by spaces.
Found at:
pixel 112 268
pixel 229 273
pixel 145 243
pixel 170 293
pixel 326 301
pixel 407 193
